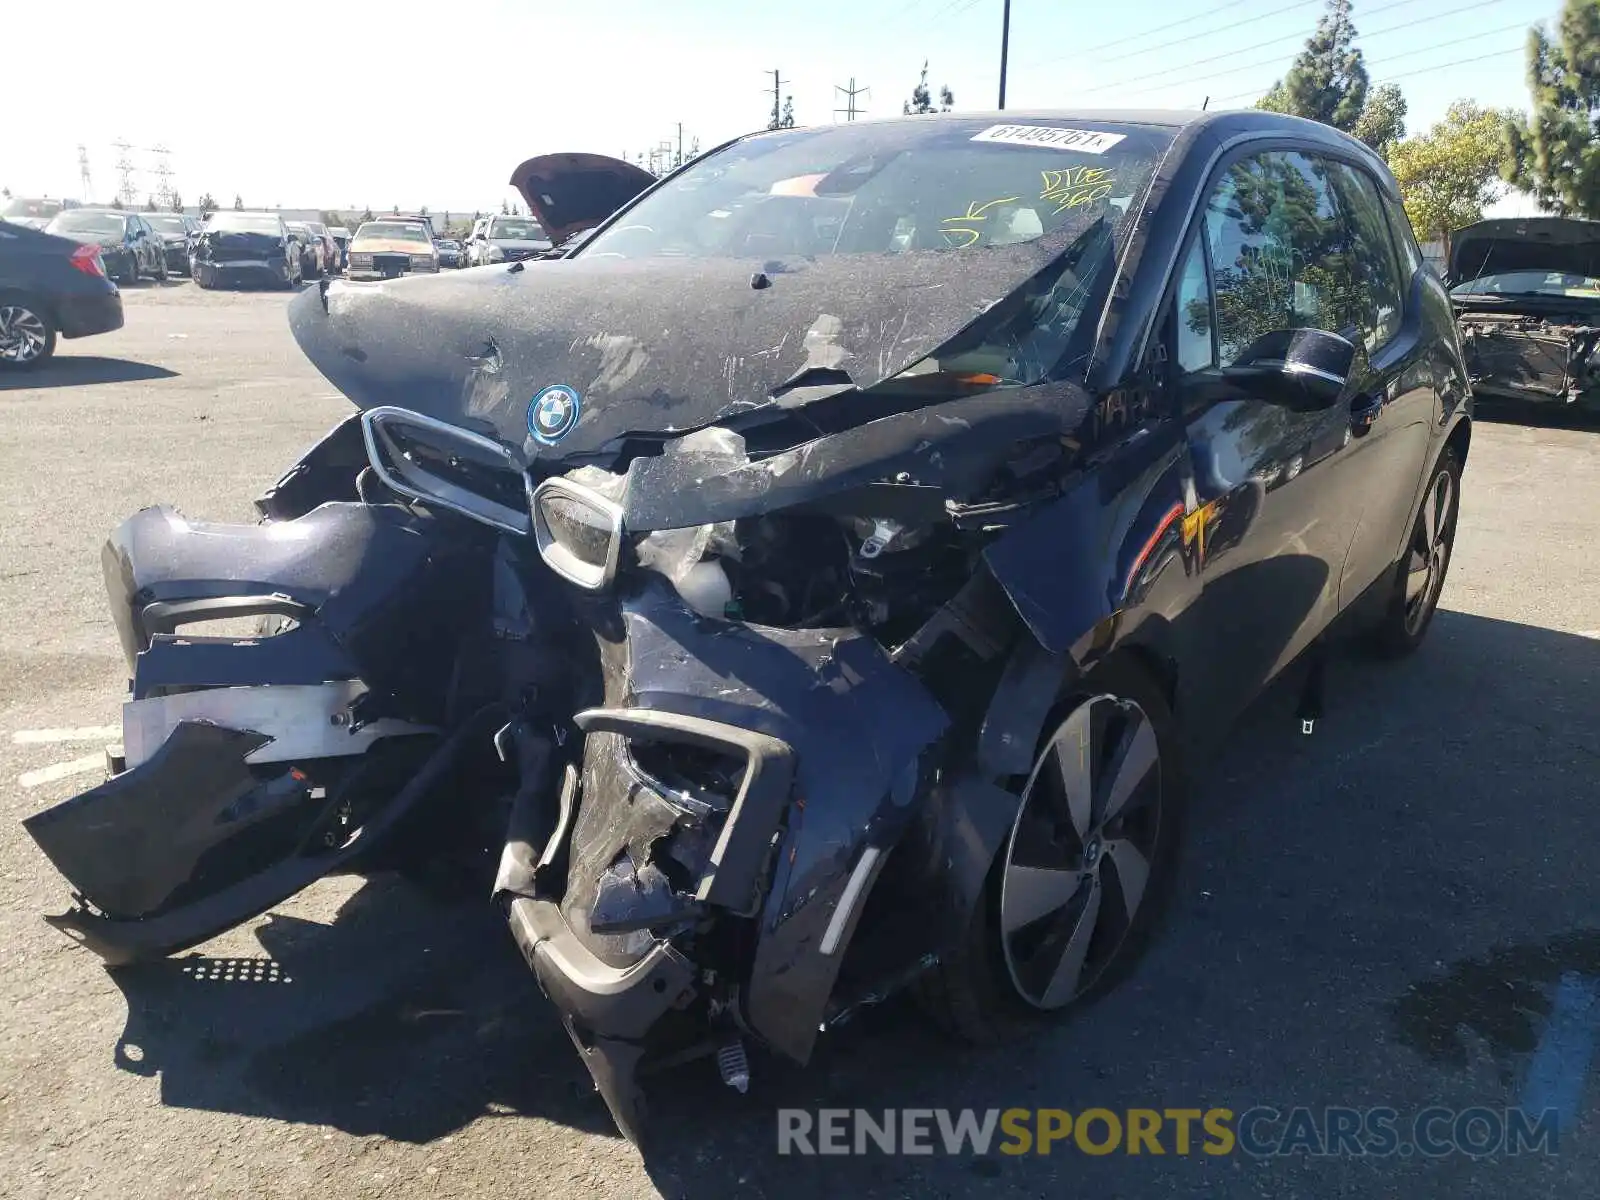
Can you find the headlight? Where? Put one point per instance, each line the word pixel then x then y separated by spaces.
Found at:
pixel 578 531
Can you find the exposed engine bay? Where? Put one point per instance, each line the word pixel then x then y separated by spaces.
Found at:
pixel 1516 354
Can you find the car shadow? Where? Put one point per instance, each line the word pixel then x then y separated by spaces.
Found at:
pixel 1375 878
pixel 82 370
pixel 407 1017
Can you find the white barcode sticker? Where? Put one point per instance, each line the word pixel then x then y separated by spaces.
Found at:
pixel 1089 141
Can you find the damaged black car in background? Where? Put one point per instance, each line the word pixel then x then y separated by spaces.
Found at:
pixel 807 585
pixel 1527 295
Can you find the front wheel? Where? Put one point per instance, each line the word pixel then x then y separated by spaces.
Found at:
pixel 161 270
pixel 1420 574
pixel 131 275
pixel 1075 894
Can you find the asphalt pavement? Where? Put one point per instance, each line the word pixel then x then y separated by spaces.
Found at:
pixel 1398 911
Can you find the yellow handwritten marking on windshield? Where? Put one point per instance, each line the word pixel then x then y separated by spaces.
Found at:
pixel 959 231
pixel 1075 187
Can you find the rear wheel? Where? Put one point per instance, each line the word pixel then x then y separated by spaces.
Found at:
pixel 1420 574
pixel 27 335
pixel 1079 887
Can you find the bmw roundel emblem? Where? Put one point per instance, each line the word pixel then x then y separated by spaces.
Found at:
pixel 553 413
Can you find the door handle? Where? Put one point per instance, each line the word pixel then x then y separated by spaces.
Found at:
pixel 1365 410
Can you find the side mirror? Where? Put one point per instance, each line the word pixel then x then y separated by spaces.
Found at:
pixel 1304 369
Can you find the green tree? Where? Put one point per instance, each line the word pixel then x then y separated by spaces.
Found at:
pixel 330 218
pixel 1554 152
pixel 1382 122
pixel 5 193
pixel 208 204
pixel 1450 174
pixel 366 213
pixel 922 98
pixel 150 204
pixel 238 202
pixel 177 203
pixel 1328 80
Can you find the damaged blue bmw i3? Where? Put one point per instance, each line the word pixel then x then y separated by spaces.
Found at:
pixel 806 582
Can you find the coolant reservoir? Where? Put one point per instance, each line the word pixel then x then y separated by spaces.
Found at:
pixel 705 588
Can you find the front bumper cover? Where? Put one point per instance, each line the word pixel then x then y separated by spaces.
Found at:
pixel 832 736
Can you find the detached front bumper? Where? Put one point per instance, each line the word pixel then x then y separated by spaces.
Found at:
pixel 256 765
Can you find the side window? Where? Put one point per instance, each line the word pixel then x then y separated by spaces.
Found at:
pixel 1406 238
pixel 1378 294
pixel 1276 240
pixel 1193 349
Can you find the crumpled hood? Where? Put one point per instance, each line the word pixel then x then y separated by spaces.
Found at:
pixel 1525 244
pixel 653 346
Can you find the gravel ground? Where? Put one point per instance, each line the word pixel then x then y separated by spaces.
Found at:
pixel 1376 915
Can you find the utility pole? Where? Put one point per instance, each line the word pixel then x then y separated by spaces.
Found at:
pixel 1005 49
pixel 777 100
pixel 124 172
pixel 850 110
pixel 678 158
pixel 83 175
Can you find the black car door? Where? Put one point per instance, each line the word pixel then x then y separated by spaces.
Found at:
pixel 1397 404
pixel 139 244
pixel 1271 516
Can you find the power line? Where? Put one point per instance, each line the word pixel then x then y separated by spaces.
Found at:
pixel 1460 62
pixel 1296 37
pixel 1420 70
pixel 1133 37
pixel 1276 59
pixel 1288 37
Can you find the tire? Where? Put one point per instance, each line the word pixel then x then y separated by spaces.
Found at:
pixel 27 334
pixel 1419 576
pixel 132 273
pixel 994 985
pixel 162 273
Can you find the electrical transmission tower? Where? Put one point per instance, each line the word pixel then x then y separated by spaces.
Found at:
pixel 850 110
pixel 83 175
pixel 163 175
pixel 125 171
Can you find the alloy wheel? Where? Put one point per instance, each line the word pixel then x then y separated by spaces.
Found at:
pixel 1080 853
pixel 1430 550
pixel 22 334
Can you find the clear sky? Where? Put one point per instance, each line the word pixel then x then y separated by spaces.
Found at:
pixel 434 104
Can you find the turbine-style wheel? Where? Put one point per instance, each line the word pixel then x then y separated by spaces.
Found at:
pixel 1430 550
pixel 1078 862
pixel 1420 574
pixel 27 337
pixel 1078 886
